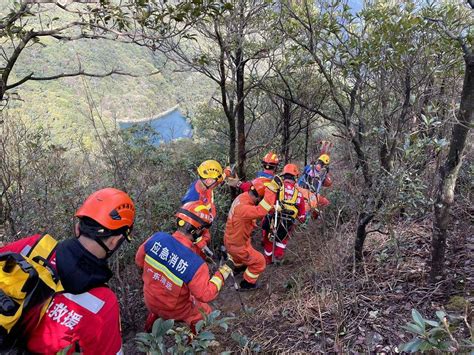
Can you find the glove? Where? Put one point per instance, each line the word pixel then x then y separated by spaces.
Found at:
pixel 225 271
pixel 230 263
pixel 207 251
pixel 228 267
pixel 233 182
pixel 201 243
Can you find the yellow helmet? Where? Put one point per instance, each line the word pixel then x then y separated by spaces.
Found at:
pixel 325 159
pixel 210 169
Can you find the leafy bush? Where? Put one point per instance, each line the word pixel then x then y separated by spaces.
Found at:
pixel 185 342
pixel 434 335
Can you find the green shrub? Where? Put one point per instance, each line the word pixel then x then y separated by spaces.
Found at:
pixel 434 335
pixel 184 341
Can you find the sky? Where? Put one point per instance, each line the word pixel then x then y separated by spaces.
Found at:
pixel 356 5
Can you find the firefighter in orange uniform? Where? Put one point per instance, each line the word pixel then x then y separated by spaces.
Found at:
pixel 245 209
pixel 176 279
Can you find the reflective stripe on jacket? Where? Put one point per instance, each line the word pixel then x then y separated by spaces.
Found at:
pixel 242 216
pixel 173 274
pixel 90 319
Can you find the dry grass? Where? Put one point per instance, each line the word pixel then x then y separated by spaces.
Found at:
pixel 319 303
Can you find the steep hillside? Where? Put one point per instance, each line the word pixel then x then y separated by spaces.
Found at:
pixel 63 105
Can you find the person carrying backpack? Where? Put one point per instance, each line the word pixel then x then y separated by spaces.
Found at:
pixel 85 316
pixel 276 227
pixel 176 282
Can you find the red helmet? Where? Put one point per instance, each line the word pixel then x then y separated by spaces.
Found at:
pixel 259 186
pixel 111 208
pixel 194 213
pixel 270 160
pixel 291 169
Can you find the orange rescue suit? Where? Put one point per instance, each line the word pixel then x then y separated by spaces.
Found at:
pixel 176 280
pixel 238 230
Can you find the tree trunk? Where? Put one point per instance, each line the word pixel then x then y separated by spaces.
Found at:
pixel 232 137
pixel 285 130
pixel 241 153
pixel 306 142
pixel 449 172
pixel 2 221
pixel 364 219
pixel 227 104
pixel 3 89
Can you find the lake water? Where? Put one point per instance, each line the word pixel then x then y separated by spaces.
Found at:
pixel 171 126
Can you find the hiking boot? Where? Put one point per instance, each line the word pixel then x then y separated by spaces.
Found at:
pixel 244 285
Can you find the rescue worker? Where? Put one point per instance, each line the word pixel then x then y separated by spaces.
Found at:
pixel 315 176
pixel 245 209
pixel 269 164
pixel 176 279
pixel 291 207
pixel 210 176
pixel 86 316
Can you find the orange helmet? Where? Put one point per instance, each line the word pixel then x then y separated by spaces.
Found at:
pixel 111 208
pixel 270 160
pixel 194 213
pixel 259 186
pixel 291 169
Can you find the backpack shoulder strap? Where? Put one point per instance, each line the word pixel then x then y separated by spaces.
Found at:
pixel 41 252
pixel 44 247
pixel 294 198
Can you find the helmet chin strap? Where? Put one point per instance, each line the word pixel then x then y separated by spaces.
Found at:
pixel 197 233
pixel 211 185
pixel 108 252
pixel 193 231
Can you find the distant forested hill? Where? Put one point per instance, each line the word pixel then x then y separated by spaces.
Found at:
pixel 62 104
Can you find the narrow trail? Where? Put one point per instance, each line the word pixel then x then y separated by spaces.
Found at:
pixel 278 286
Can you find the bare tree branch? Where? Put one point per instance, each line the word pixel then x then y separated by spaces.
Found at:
pixel 81 72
